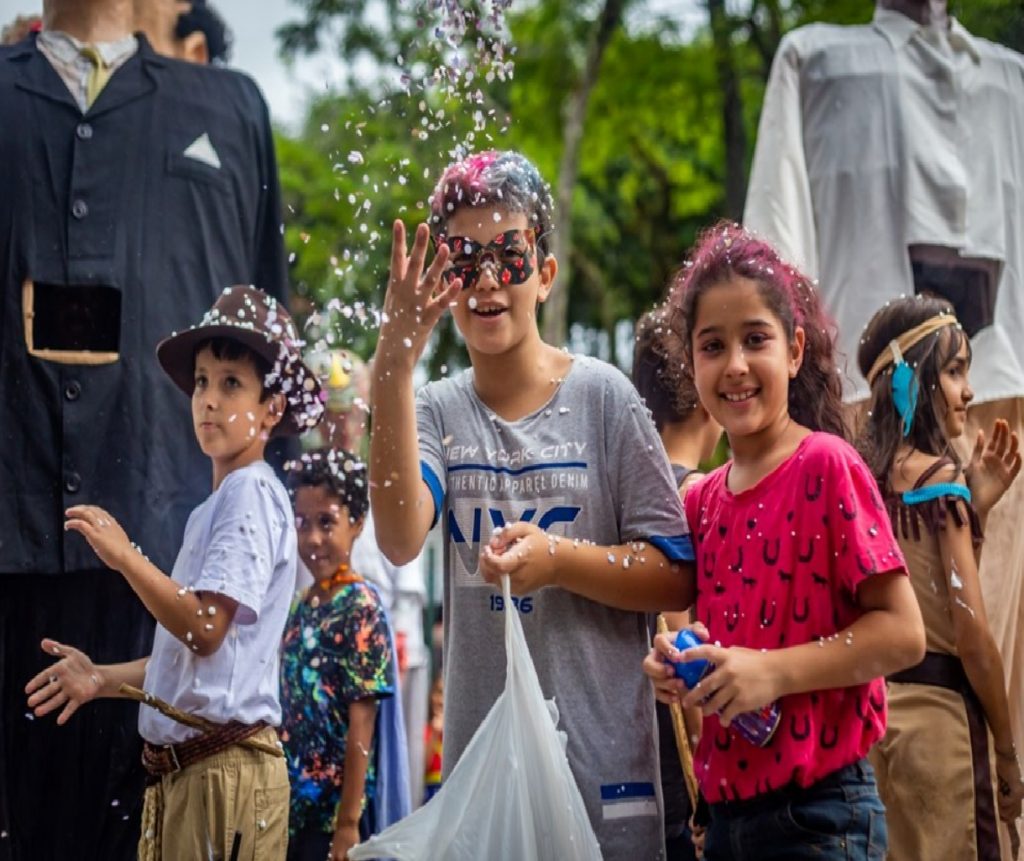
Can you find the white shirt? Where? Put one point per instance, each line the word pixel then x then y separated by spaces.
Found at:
pixel 876 137
pixel 240 543
pixel 65 55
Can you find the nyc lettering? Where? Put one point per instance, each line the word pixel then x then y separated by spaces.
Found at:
pixel 523 605
pixel 551 516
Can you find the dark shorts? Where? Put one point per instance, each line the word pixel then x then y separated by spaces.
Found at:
pixel 839 817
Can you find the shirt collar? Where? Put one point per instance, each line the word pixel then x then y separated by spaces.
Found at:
pixel 67 48
pixel 899 30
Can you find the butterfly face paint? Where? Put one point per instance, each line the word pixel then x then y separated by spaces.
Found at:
pixel 510 255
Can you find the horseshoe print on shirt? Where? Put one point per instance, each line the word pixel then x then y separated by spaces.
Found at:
pixel 778 566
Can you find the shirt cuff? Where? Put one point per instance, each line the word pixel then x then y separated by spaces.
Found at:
pixel 677 548
pixel 436 491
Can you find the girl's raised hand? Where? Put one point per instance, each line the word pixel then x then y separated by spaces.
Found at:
pixel 104 534
pixel 70 682
pixel 743 680
pixel 415 299
pixel 993 467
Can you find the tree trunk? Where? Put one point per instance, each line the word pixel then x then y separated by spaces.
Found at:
pixel 556 309
pixel 734 133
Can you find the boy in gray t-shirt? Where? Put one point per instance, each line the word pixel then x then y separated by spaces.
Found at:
pixel 560 452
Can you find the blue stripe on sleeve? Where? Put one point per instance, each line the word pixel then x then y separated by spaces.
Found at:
pixel 935 491
pixel 436 491
pixel 678 548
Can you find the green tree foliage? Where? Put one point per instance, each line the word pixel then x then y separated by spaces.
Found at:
pixel 653 165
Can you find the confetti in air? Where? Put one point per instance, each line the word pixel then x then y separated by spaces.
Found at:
pixel 442 84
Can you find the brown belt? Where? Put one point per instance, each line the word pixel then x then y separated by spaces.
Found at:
pixel 163 759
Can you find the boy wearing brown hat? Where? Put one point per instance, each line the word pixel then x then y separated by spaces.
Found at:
pixel 219 783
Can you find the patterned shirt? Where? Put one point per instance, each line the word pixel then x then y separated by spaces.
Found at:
pixel 334 654
pixel 778 565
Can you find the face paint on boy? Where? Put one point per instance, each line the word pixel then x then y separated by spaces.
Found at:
pixel 509 255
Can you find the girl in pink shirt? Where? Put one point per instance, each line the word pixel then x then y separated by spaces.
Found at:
pixel 801 586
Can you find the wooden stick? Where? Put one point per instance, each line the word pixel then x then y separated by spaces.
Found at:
pixel 682 740
pixel 194 721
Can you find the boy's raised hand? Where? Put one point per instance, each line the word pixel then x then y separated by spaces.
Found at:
pixel 71 682
pixel 104 534
pixel 993 467
pixel 415 299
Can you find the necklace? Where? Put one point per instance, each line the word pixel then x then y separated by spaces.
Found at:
pixel 340 576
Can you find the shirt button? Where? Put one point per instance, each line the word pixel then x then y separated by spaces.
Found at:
pixel 72 390
pixel 79 208
pixel 84 131
pixel 72 482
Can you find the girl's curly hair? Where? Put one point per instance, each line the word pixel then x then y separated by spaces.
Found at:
pixel 726 251
pixel 340 472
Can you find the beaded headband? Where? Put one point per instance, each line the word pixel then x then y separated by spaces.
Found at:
pixel 898 346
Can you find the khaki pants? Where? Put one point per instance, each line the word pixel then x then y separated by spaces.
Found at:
pixel 235 794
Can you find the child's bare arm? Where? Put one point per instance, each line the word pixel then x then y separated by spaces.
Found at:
pixel 75 680
pixel 415 300
pixel 199 619
pixel 888 637
pixel 362 716
pixel 981 659
pixel 634 576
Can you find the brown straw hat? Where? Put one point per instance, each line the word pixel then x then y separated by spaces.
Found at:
pixel 251 317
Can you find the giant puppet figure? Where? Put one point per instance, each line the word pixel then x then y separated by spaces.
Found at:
pixel 133 189
pixel 889 161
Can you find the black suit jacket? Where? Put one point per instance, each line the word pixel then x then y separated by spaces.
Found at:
pixel 110 198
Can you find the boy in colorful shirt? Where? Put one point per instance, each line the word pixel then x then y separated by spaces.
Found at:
pixel 337 663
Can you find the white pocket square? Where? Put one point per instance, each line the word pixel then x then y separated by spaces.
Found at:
pixel 202 150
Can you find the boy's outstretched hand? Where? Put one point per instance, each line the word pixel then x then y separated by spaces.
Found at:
pixel 71 682
pixel 993 467
pixel 104 534
pixel 415 299
pixel 520 550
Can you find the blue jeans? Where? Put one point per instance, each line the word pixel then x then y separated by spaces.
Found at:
pixel 839 818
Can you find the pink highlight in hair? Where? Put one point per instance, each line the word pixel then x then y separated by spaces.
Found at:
pixel 727 250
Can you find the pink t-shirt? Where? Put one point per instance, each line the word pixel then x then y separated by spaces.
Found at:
pixel 779 565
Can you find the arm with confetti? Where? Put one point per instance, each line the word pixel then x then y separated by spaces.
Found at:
pixel 980 656
pixel 199 619
pixel 633 576
pixel 401 501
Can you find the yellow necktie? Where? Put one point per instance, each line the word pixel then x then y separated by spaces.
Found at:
pixel 99 74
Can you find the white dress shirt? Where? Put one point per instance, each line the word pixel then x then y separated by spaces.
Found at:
pixel 890 134
pixel 65 55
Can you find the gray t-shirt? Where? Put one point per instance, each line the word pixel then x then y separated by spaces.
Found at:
pixel 587 465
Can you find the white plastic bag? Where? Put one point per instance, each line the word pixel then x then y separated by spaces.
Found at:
pixel 512 795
